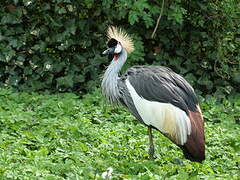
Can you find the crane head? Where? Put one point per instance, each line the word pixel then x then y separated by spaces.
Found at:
pixel 118 39
pixel 114 47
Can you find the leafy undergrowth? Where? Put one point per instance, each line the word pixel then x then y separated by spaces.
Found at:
pixel 64 137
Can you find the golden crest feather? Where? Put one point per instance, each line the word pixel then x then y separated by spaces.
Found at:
pixel 122 37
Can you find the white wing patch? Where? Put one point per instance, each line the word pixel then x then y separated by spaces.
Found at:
pixel 166 117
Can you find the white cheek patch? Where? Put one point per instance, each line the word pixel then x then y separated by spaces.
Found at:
pixel 118 49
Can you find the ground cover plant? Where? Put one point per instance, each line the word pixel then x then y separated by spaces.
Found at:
pixel 63 136
pixel 56 44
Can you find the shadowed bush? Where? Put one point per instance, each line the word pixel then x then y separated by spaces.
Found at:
pixel 55 45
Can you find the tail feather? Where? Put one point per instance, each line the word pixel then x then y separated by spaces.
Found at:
pixel 194 148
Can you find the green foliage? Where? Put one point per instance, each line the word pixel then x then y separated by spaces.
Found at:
pixel 63 137
pixel 55 45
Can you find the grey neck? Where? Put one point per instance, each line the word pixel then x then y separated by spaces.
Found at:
pixel 110 78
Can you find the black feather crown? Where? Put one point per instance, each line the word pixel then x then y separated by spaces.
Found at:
pixel 112 43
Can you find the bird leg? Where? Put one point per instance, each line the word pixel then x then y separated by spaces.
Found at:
pixel 151 145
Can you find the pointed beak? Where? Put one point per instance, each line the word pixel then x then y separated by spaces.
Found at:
pixel 108 51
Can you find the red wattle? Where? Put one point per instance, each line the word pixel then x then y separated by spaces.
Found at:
pixel 116 57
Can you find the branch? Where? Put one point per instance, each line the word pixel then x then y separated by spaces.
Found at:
pixel 158 20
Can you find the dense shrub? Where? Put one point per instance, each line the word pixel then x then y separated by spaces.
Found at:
pixel 55 45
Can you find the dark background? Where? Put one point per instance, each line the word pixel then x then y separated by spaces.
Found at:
pixel 55 45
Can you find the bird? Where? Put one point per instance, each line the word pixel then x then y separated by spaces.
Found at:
pixel 156 96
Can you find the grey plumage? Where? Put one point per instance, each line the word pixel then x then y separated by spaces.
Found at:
pixel 110 88
pixel 114 88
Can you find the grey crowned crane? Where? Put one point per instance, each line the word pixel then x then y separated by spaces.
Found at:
pixel 156 96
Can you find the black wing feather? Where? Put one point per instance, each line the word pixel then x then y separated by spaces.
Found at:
pixel 161 84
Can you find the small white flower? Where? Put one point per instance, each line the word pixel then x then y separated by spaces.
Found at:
pixel 34 32
pixel 28 3
pixel 107 174
pixel 48 66
pixel 70 8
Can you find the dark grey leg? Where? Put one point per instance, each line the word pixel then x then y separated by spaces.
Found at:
pixel 151 145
